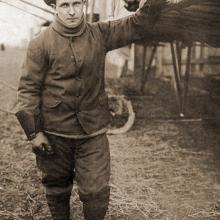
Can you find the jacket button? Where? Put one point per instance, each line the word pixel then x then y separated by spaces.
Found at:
pixel 77 78
pixel 78 94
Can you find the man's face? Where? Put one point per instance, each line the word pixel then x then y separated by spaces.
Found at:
pixel 70 11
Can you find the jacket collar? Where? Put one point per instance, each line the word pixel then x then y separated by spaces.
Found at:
pixel 66 31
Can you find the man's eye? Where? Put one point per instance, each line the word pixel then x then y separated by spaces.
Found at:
pixel 64 5
pixel 77 3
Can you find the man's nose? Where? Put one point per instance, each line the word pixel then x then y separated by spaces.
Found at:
pixel 71 10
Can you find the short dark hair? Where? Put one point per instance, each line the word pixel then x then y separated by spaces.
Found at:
pixel 50 2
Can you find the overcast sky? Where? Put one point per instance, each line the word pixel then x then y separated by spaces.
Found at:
pixel 15 25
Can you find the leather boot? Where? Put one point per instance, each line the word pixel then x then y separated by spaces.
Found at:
pixel 96 206
pixel 95 210
pixel 59 206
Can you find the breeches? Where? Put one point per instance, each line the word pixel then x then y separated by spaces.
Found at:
pixel 87 161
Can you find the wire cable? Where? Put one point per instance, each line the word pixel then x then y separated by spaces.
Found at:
pixel 21 9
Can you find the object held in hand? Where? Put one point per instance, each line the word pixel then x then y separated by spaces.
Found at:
pixel 43 150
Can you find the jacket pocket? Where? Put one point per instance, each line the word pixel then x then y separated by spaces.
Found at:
pixel 50 103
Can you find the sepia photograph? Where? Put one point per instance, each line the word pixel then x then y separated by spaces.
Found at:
pixel 109 109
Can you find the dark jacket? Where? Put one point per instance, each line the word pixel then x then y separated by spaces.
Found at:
pixel 62 86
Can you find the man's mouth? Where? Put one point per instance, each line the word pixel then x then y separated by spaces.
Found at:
pixel 71 19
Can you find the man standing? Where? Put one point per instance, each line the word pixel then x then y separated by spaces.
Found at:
pixel 63 107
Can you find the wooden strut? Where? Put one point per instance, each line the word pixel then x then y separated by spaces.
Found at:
pixel 143 61
pixel 92 11
pixel 178 89
pixel 87 7
pixel 179 57
pixel 181 93
pixel 149 65
pixel 186 79
pixel 176 52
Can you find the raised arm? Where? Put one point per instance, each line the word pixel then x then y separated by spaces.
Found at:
pixel 124 31
pixel 30 88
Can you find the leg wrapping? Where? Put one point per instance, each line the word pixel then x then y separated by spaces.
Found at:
pixel 59 206
pixel 95 207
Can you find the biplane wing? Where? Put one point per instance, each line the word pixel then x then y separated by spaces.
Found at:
pixel 187 20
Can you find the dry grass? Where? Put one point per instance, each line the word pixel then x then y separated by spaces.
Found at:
pixel 167 180
pixel 161 170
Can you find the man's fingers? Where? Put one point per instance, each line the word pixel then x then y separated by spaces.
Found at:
pixel 40 138
pixel 43 150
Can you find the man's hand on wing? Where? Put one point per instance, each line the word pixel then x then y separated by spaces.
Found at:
pixel 141 3
pixel 131 5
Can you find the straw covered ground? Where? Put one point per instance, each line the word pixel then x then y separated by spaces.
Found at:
pixel 161 169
